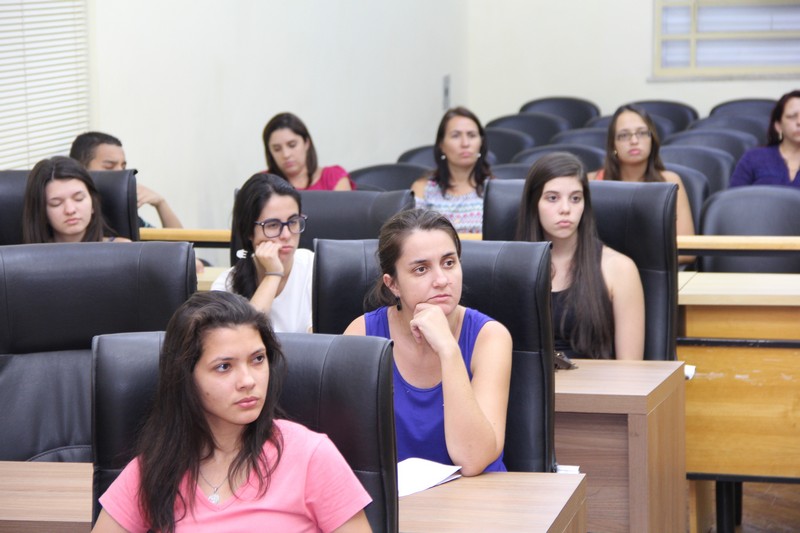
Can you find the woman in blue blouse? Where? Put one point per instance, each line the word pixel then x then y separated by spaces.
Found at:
pixel 777 163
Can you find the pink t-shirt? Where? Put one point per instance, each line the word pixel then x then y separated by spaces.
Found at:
pixel 313 489
pixel 329 178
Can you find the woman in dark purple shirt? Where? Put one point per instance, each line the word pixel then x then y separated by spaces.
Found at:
pixel 777 163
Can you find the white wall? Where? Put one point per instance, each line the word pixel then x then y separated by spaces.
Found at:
pixel 599 50
pixel 189 84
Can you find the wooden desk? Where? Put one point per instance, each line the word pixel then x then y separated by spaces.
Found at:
pixel 52 497
pixel 509 501
pixel 742 332
pixel 57 497
pixel 207 277
pixel 738 244
pixel 741 406
pixel 622 423
pixel 211 238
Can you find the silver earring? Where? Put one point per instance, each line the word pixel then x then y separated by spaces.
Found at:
pixel 780 136
pixel 443 157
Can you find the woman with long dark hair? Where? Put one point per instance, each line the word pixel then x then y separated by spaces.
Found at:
pixel 455 188
pixel 213 454
pixel 598 300
pixel 452 364
pixel 291 155
pixel 272 271
pixel 62 205
pixel 632 147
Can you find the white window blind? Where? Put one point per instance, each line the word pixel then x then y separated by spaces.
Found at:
pixel 44 90
pixel 726 38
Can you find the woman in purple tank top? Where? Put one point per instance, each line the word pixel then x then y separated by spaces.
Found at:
pixel 452 364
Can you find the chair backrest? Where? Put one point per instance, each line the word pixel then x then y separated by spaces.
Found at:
pixel 511 171
pixel 734 142
pixel 344 215
pixel 591 157
pixel 761 107
pixel 636 219
pixel 505 143
pixel 678 112
pixel 540 126
pixel 340 386
pixel 717 165
pixel 506 280
pixel 595 137
pixel 696 185
pixel 752 210
pixel 576 110
pixel 754 125
pixel 664 126
pixel 53 299
pixel 389 177
pixel 422 156
pixel 117 190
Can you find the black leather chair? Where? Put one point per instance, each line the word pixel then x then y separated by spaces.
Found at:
pixel 752 210
pixel 511 171
pixel 664 126
pixel 389 177
pixel 508 281
pixel 754 125
pixel 576 110
pixel 679 113
pixel 595 137
pixel 591 157
pixel 734 142
pixel 761 107
pixel 345 215
pixel 53 299
pixel 696 185
pixel 540 126
pixel 422 156
pixel 505 143
pixel 637 219
pixel 117 193
pixel 340 386
pixel 716 165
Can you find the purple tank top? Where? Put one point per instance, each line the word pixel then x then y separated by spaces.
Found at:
pixel 419 413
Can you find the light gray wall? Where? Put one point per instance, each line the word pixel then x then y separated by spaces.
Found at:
pixel 189 84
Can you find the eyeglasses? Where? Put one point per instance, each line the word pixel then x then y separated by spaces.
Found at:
pixel 272 227
pixel 625 136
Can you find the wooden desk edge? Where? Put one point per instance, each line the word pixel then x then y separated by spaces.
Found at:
pixel 634 402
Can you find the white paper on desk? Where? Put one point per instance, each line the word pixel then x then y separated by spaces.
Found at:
pixel 415 475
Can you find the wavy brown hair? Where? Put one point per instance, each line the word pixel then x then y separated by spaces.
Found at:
pixel 480 172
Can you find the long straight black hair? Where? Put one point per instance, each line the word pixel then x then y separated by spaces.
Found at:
pixel 587 297
pixel 176 437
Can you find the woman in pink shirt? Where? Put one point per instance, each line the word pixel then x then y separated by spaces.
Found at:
pixel 291 155
pixel 211 455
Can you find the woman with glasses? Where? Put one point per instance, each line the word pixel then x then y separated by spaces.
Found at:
pixel 632 155
pixel 271 271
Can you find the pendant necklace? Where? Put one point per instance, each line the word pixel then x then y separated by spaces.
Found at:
pixel 213 497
